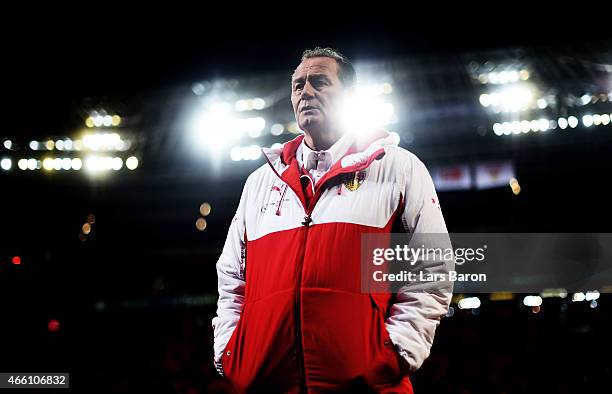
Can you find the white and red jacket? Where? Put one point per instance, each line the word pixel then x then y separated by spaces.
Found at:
pixel 291 316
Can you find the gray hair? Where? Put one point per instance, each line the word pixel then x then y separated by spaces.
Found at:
pixel 346 71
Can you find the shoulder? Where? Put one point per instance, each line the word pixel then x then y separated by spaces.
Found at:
pixel 256 177
pixel 404 159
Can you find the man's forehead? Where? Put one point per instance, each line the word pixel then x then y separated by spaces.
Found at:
pixel 322 65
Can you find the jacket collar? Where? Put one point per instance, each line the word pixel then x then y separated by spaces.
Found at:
pixel 362 152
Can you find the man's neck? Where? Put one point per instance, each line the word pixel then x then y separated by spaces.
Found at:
pixel 321 141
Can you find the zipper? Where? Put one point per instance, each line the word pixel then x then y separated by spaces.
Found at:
pixel 298 278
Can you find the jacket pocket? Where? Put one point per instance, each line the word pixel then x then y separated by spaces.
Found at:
pixel 390 366
pixel 229 359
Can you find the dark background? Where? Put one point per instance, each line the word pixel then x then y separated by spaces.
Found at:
pixel 134 301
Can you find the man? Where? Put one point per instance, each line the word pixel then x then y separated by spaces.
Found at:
pixel 291 315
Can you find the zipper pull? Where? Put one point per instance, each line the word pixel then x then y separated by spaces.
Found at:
pixel 307 221
pixel 280 201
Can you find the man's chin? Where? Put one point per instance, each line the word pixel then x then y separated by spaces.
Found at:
pixel 310 124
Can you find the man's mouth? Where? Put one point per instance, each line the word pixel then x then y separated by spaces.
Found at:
pixel 309 108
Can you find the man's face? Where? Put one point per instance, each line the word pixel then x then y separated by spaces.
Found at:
pixel 316 93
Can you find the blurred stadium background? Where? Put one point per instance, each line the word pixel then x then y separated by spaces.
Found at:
pixel 122 161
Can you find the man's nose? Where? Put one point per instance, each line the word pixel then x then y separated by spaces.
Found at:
pixel 308 91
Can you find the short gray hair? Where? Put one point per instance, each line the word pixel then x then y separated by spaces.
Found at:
pixel 346 71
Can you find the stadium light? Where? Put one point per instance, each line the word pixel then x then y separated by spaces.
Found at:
pixel 363 113
pixel 76 164
pixel 259 103
pixel 102 119
pixel 48 164
pixel 211 127
pixel 532 300
pixel 591 295
pixel 131 163
pixel 277 129
pixel 512 99
pixel 585 99
pixel 102 141
pixel 6 164
pixel 469 303
pixel 252 152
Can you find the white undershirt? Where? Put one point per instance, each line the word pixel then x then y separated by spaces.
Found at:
pixel 317 163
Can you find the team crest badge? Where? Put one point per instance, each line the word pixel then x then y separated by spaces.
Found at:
pixel 354 180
